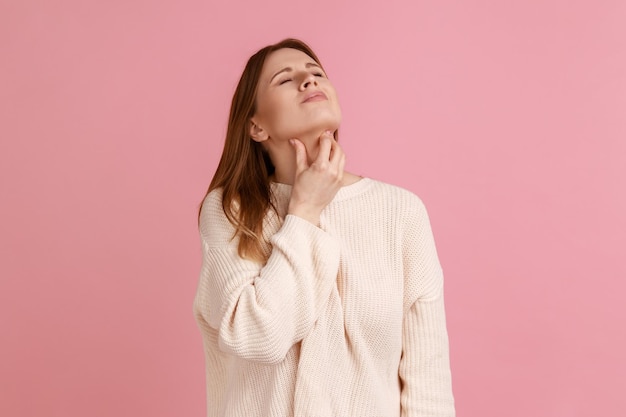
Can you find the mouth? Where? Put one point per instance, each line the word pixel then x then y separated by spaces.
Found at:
pixel 316 96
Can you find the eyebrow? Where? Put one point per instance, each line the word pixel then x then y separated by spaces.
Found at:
pixel 287 69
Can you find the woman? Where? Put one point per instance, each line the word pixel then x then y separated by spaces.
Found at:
pixel 321 293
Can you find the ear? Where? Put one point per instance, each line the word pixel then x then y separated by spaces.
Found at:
pixel 257 133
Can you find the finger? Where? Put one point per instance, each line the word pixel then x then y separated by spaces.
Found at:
pixel 301 158
pixel 341 166
pixel 326 144
pixel 335 153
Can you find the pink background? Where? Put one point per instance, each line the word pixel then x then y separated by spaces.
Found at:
pixel 507 118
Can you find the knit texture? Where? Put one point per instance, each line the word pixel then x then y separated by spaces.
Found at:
pixel 344 319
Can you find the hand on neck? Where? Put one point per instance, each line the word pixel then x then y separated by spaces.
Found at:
pixel 283 155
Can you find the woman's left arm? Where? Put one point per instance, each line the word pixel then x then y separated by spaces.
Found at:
pixel 425 366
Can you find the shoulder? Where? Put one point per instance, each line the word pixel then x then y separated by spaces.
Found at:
pixel 404 201
pixel 211 206
pixel 392 207
pixel 215 228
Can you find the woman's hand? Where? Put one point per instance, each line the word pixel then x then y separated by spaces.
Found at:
pixel 315 185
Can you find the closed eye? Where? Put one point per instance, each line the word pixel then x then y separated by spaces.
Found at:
pixel 284 81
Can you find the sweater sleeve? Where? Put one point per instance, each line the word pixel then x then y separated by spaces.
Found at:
pixel 261 311
pixel 424 366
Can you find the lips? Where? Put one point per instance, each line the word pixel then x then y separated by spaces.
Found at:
pixel 315 96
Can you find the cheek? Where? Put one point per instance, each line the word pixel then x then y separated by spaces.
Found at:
pixel 276 117
pixel 334 98
pixel 335 101
pixel 273 109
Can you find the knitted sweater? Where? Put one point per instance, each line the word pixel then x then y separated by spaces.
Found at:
pixel 344 319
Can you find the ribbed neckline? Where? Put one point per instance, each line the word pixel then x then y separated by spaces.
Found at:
pixel 281 190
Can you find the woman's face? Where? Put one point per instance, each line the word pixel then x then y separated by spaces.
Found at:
pixel 294 97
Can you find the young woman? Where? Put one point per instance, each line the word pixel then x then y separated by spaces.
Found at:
pixel 320 294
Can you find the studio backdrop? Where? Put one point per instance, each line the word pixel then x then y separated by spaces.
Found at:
pixel 508 119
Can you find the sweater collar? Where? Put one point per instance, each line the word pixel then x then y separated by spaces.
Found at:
pixel 283 191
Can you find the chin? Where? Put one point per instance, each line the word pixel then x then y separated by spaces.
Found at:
pixel 325 122
pixel 316 130
pixel 313 123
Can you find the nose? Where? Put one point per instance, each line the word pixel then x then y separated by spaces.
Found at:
pixel 308 81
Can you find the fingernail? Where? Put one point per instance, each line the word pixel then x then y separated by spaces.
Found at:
pixel 292 141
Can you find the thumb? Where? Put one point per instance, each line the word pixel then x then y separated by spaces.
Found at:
pixel 301 159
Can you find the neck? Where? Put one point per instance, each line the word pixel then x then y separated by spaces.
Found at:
pixel 283 156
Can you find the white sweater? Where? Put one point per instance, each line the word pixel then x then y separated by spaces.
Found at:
pixel 344 319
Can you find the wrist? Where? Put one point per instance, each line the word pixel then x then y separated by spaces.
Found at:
pixel 309 214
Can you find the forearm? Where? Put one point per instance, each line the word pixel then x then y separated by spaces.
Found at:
pixel 425 365
pixel 261 312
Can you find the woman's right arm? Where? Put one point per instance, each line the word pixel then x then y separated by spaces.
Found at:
pixel 261 311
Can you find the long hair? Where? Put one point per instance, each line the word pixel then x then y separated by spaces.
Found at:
pixel 245 167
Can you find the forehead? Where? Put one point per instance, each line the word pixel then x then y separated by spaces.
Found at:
pixel 282 58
